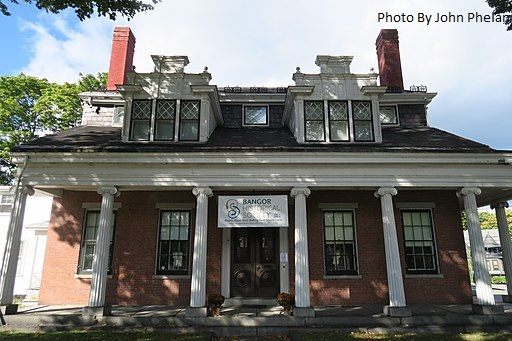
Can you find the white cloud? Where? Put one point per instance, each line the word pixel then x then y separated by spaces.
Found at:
pixel 60 52
pixel 261 42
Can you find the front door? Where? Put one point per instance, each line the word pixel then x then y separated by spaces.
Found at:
pixel 255 267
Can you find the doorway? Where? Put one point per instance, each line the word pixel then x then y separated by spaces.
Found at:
pixel 255 262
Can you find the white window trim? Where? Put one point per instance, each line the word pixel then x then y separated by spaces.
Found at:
pixel 255 105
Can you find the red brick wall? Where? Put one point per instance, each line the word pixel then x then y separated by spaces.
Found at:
pixel 133 281
pixel 133 266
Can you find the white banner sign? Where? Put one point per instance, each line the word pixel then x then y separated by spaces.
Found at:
pixel 253 211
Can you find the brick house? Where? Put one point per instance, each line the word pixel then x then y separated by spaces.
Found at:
pixel 334 188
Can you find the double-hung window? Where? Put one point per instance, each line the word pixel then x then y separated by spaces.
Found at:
pixel 189 120
pixel 173 243
pixel 340 243
pixel 314 121
pixel 88 247
pixel 338 121
pixel 420 246
pixel 165 120
pixel 363 123
pixel 141 120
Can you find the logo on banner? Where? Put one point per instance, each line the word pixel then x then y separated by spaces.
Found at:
pixel 233 209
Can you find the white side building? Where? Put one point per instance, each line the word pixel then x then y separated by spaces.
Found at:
pixel 33 240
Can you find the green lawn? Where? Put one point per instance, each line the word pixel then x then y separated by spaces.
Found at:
pixel 303 336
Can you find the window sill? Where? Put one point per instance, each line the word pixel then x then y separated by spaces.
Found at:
pixel 170 276
pixel 427 276
pixel 343 277
pixel 87 276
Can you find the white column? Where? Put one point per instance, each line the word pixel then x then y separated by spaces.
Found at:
pixel 302 297
pixel 101 252
pixel 394 269
pixel 198 282
pixel 12 245
pixel 506 247
pixel 484 295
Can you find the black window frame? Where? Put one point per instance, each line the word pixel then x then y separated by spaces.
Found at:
pixel 83 249
pixel 306 122
pixel 395 109
pixel 354 121
pixel 329 116
pixel 414 251
pixel 187 242
pixel 159 102
pixel 133 120
pixel 244 114
pixel 181 120
pixel 330 252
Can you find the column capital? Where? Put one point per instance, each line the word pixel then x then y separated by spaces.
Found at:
pixel 108 190
pixel 469 190
pixel 300 190
pixel 27 190
pixel 202 190
pixel 499 204
pixel 385 190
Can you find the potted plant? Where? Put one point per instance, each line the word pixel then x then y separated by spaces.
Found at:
pixel 286 300
pixel 215 302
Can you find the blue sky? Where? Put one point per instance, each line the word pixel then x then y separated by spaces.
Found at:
pixel 256 43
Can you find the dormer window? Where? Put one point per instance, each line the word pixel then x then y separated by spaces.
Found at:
pixel 363 123
pixel 155 120
pixel 255 115
pixel 314 121
pixel 165 120
pixel 189 120
pixel 348 121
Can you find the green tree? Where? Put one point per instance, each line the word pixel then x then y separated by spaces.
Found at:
pixel 84 9
pixel 488 220
pixel 31 107
pixel 503 7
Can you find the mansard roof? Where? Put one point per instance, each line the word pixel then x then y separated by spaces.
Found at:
pixel 108 139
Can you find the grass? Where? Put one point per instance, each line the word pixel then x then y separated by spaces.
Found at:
pixel 360 336
pixel 303 336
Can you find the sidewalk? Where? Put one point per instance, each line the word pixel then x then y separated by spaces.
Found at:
pixel 258 319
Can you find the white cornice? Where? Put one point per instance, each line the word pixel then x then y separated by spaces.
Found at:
pixel 501 159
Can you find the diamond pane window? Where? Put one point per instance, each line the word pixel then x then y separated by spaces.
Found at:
pixel 340 243
pixel 164 121
pixel 173 243
pixel 363 124
pixel 189 120
pixel 140 120
pixel 314 121
pixel 255 115
pixel 338 121
pixel 420 254
pixel 388 115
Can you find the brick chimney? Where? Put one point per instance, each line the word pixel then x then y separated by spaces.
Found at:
pixel 121 57
pixel 388 55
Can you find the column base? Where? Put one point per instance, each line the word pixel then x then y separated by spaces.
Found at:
pixel 397 311
pixel 487 309
pixel 9 309
pixel 195 311
pixel 303 312
pixel 506 298
pixel 106 310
